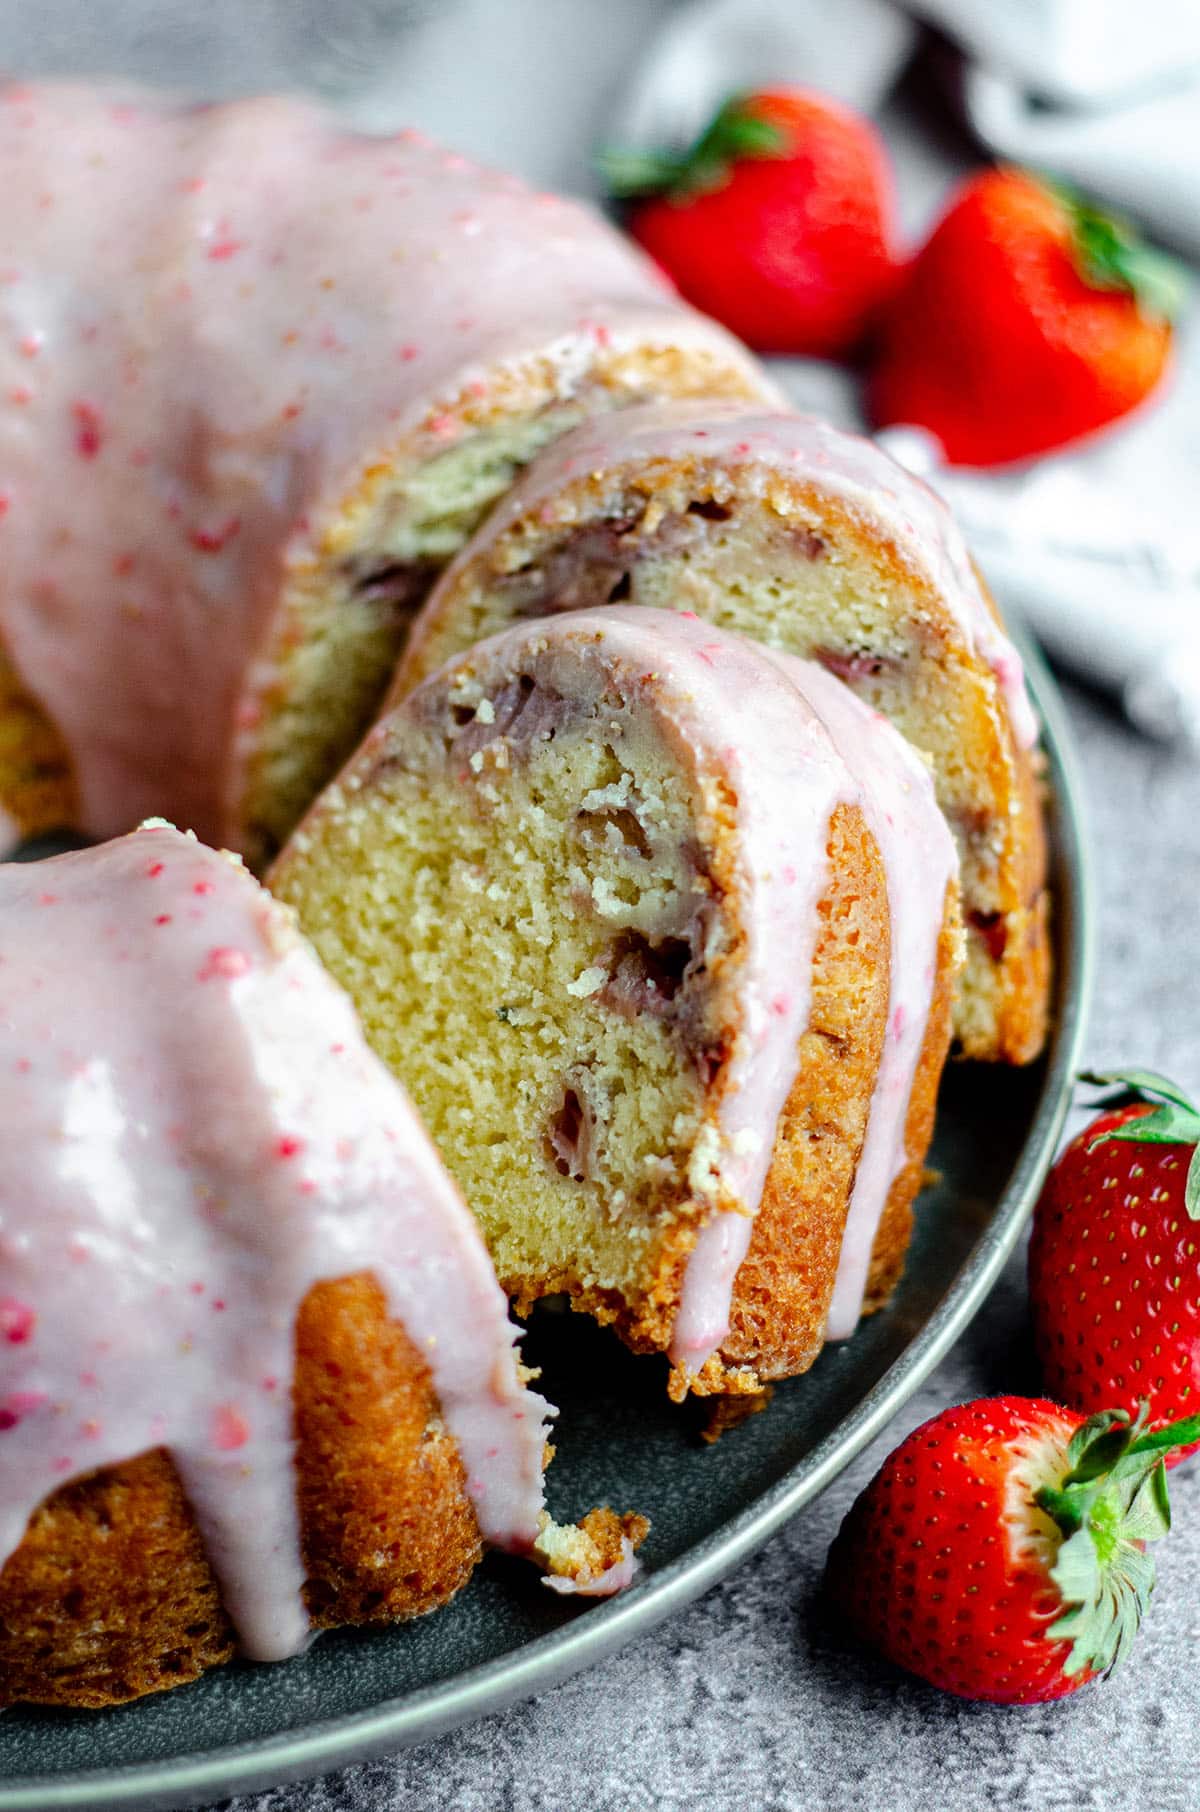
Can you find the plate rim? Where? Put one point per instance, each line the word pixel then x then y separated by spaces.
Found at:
pixel 546 1661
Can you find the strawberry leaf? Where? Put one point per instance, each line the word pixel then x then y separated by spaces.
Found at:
pixel 631 173
pixel 1175 1434
pixel 1174 1121
pixel 1149 1515
pixel 1111 1501
pixel 1138 1085
pixel 1167 1125
pixel 735 132
pixel 1110 255
pixel 1191 1189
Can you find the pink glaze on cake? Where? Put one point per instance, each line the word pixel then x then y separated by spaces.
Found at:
pixel 919 858
pixel 215 322
pixel 194 1134
pixel 758 444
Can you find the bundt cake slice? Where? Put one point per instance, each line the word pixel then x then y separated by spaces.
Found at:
pixel 262 376
pixel 660 931
pixel 815 542
pixel 256 1373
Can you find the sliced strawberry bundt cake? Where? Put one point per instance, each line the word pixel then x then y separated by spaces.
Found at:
pixel 660 930
pixel 814 542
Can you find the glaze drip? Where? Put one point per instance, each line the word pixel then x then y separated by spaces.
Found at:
pixel 195 1133
pixel 897 800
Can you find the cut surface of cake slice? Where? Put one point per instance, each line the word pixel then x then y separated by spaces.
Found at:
pixel 813 542
pixel 660 932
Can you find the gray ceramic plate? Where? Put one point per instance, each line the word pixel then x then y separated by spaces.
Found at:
pixel 355 1694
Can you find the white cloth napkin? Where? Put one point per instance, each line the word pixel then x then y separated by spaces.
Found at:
pixel 1099 549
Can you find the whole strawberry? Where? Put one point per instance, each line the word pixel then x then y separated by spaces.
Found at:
pixel 1114 1262
pixel 1027 320
pixel 777 221
pixel 999 1552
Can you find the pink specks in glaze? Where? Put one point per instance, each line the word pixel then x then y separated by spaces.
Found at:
pixel 17 1321
pixel 215 539
pixel 148 1147
pixel 16 1405
pixel 230 1429
pixel 225 964
pixel 88 430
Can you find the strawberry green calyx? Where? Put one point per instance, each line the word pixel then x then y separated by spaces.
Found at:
pixel 1111 255
pixel 735 132
pixel 1111 1503
pixel 1174 1121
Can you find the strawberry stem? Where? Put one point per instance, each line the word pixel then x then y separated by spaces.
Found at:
pixel 1109 254
pixel 734 132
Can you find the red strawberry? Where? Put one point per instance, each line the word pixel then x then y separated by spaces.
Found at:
pixel 778 220
pixel 1114 1263
pixel 999 1552
pixel 1027 320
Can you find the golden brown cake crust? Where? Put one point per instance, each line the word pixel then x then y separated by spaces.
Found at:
pixel 110 1595
pixel 37 782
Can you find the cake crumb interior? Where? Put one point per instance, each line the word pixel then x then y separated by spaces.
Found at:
pixel 528 927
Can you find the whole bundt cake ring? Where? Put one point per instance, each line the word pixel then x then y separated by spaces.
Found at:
pixel 661 931
pixel 256 1374
pixel 261 378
